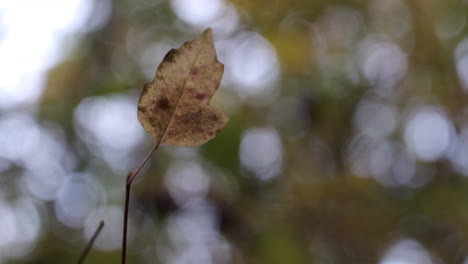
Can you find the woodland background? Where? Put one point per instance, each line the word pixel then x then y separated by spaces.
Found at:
pixel 348 139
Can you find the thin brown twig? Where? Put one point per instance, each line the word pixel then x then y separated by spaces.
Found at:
pixel 124 236
pixel 90 243
pixel 128 185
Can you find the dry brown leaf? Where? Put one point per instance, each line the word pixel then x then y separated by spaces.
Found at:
pixel 174 109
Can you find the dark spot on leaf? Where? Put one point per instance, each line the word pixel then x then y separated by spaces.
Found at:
pixel 194 71
pixel 142 109
pixel 214 118
pixel 200 96
pixel 217 131
pixel 170 56
pixel 163 103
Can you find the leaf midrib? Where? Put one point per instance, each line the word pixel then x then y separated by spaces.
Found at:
pixel 178 99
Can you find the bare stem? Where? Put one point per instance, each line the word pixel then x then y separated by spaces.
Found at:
pixel 90 243
pixel 124 236
pixel 128 185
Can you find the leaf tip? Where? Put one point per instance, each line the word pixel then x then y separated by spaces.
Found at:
pixel 208 33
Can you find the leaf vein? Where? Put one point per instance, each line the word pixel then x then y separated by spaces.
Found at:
pixel 178 99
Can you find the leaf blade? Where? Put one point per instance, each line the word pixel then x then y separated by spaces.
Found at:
pixel 174 109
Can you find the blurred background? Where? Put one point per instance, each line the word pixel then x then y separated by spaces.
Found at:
pixel 348 139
